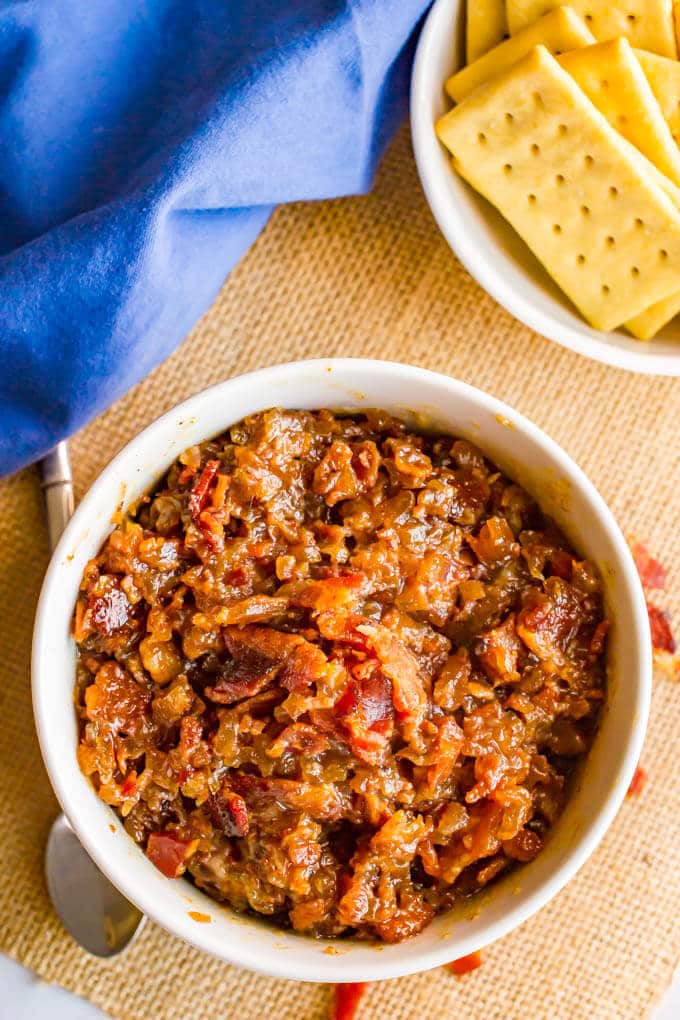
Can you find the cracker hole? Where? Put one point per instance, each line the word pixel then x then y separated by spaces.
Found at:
pixel 585 210
pixel 640 224
pixel 581 259
pixel 589 18
pixel 614 192
pixel 622 119
pixel 560 179
pixel 532 199
pixel 589 161
pixel 604 83
pixel 535 149
pixel 562 129
pixel 481 138
pixel 631 18
pixel 538 98
pixel 509 117
pixel 557 229
pixel 610 241
pixel 663 254
pixel 507 169
pixel 634 272
pixel 605 289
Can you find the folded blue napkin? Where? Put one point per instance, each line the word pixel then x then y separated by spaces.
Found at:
pixel 143 145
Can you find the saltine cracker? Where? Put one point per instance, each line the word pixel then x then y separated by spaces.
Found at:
pixel 485 27
pixel 612 78
pixel 664 77
pixel 534 145
pixel 648 24
pixel 559 31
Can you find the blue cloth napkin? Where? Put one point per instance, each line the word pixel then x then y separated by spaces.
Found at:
pixel 143 145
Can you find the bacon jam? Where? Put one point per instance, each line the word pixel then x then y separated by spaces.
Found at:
pixel 336 672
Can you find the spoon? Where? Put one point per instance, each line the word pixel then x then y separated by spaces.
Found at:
pixel 91 909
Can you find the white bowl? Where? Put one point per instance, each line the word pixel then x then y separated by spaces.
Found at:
pixel 530 457
pixel 484 242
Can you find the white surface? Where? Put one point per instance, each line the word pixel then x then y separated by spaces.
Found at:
pixel 25 997
pixel 523 451
pixel 486 245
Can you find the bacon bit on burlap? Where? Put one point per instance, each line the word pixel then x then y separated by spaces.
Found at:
pixel 660 624
pixel 637 783
pixel 466 963
pixel 652 573
pixel 653 576
pixel 346 1000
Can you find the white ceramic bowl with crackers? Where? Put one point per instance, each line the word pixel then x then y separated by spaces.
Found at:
pixel 530 457
pixel 485 243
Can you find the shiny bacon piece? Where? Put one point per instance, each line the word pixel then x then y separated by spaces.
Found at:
pixel 169 853
pixel 199 493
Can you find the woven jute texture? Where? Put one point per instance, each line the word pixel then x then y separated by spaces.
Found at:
pixel 372 276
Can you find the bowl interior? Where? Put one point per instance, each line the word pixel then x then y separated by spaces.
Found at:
pixel 528 456
pixel 484 242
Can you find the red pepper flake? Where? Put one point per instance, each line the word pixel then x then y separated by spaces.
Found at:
pixel 652 573
pixel 637 783
pixel 660 625
pixel 129 785
pixel 466 964
pixel 346 1000
pixel 199 493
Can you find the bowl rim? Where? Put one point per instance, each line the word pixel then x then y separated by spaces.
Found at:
pixel 330 969
pixel 428 151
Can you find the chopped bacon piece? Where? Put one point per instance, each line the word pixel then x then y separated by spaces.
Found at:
pixel 110 611
pixel 637 783
pixel 190 733
pixel 599 637
pixel 548 620
pixel 524 846
pixel 117 701
pixel 186 474
pixel 332 593
pixel 401 666
pixel 343 626
pixel 345 472
pixel 170 853
pixel 228 812
pixel 346 1000
pixel 562 563
pixel 262 655
pixel 652 573
pixel 495 541
pixel 660 625
pixel 466 963
pixel 253 609
pixel 365 710
pixel 199 493
pixel 498 651
pixel 322 801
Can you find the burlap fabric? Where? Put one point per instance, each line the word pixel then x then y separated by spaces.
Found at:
pixel 372 276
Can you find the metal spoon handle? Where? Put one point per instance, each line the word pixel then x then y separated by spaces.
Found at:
pixel 96 914
pixel 57 486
